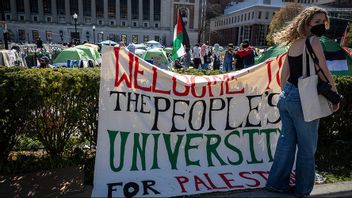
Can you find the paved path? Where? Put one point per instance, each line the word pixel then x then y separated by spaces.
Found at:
pixel 341 189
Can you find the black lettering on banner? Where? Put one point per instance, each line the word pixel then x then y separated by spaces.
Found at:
pixel 110 188
pixel 147 184
pixel 271 104
pixel 159 109
pixel 117 108
pixel 174 114
pixel 129 100
pixel 222 106
pixel 191 115
pixel 251 109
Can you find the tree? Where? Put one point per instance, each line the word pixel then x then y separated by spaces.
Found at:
pixel 285 15
pixel 348 42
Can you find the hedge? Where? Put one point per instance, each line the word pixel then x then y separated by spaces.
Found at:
pixel 54 105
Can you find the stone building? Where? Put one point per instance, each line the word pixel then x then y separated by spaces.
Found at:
pixel 250 20
pixel 96 20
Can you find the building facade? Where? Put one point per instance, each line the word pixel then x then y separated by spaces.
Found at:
pixel 134 21
pixel 250 20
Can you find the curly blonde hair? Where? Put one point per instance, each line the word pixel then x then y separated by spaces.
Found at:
pixel 298 27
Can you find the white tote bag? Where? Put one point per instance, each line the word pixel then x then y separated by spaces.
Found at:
pixel 314 106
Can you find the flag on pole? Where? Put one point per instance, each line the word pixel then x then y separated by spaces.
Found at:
pixel 181 39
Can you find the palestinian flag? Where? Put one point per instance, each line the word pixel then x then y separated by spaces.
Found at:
pixel 181 39
pixel 339 62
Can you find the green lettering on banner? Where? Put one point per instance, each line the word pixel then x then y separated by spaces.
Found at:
pixel 267 136
pixel 211 149
pixel 188 147
pixel 112 137
pixel 233 148
pixel 155 153
pixel 140 149
pixel 172 154
pixel 251 133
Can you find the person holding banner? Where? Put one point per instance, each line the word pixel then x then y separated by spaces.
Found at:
pixel 295 132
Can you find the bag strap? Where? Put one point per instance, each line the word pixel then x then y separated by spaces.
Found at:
pixel 307 63
pixel 314 57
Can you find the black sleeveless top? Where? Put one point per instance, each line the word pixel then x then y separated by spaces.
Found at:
pixel 295 65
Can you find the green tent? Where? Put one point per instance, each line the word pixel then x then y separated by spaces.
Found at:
pixel 148 55
pixel 71 54
pixel 91 52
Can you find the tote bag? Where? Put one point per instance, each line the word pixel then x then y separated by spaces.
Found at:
pixel 314 106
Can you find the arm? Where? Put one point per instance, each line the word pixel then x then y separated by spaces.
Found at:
pixel 318 50
pixel 285 73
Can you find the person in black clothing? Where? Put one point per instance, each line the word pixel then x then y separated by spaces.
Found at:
pixel 39 43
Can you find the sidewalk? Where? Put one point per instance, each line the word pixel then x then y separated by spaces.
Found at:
pixel 341 189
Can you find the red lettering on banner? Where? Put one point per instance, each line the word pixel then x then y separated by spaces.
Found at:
pixel 211 182
pixel 124 76
pixel 280 65
pixel 262 173
pixel 221 85
pixel 268 68
pixel 228 88
pixel 193 90
pixel 181 181
pixel 257 183
pixel 174 83
pixel 136 72
pixel 198 181
pixel 155 77
pixel 227 181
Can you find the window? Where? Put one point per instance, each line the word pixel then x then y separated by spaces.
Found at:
pixel 87 11
pixel 266 15
pixel 145 38
pixel 35 35
pixel 156 25
pixel 100 22
pixel 124 38
pixel 259 15
pixel 21 35
pixel 112 23
pixel 8 17
pixel 157 38
pixel 60 7
pixel 241 17
pixel 48 19
pixel 111 8
pixel 146 9
pixel 249 16
pixel 123 23
pixel 33 6
pixel 157 4
pixel 35 18
pixel 49 36
pixel 20 5
pixel 134 38
pixel 135 9
pixel 47 6
pixel 145 25
pixel 123 9
pixel 6 5
pixel 73 7
pixel 134 24
pixel 252 15
pixel 21 18
pixel 245 17
pixel 99 8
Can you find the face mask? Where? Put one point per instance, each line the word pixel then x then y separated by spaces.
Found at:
pixel 318 30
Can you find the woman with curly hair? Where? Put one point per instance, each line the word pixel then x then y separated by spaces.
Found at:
pixel 295 132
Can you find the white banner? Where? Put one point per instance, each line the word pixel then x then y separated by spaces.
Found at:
pixel 167 134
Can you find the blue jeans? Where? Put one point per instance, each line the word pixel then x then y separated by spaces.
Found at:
pixel 227 66
pixel 295 133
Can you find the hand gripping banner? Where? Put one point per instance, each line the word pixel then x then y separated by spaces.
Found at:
pixel 167 134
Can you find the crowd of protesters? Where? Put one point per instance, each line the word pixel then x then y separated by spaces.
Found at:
pixel 207 57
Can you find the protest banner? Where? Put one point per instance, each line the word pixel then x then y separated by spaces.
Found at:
pixel 167 134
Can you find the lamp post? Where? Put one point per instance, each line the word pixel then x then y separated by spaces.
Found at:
pixel 94 33
pixel 102 36
pixel 75 16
